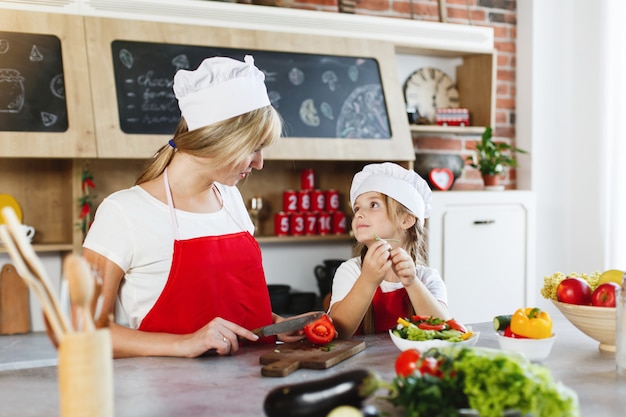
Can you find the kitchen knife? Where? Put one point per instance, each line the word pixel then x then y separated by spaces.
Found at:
pixel 289 325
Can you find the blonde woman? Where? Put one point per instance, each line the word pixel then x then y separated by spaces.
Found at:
pixel 177 248
pixel 390 279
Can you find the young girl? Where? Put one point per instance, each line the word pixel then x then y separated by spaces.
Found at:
pixel 389 279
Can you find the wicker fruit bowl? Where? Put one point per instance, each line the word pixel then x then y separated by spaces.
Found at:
pixel 596 322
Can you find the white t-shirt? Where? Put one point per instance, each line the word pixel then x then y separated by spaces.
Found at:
pixel 349 271
pixel 134 230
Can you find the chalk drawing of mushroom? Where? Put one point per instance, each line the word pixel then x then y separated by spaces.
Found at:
pixel 296 76
pixel 308 113
pixel 330 78
pixel 180 62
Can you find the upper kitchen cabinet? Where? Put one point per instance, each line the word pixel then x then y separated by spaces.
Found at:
pixel 339 97
pixel 45 100
pixel 134 52
pixel 474 78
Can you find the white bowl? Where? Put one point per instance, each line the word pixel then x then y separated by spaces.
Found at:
pixel 532 349
pixel 424 345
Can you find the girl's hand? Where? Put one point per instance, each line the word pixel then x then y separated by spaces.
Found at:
pixel 294 336
pixel 376 262
pixel 403 266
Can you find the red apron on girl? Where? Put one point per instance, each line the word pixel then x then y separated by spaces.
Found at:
pixel 387 307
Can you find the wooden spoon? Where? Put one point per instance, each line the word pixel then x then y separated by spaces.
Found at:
pixel 82 288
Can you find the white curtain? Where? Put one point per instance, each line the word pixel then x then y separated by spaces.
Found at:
pixel 614 130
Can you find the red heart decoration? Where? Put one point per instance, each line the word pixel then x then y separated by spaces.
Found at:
pixel 441 178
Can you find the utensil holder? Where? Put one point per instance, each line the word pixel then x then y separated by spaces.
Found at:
pixel 85 374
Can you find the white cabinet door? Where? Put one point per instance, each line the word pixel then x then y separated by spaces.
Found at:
pixel 484 260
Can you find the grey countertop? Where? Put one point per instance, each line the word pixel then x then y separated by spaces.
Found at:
pixel 233 386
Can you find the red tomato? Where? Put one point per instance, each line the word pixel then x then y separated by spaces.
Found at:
pixel 453 324
pixel 604 295
pixel 406 362
pixel 418 318
pixel 321 331
pixel 429 365
pixel 428 326
pixel 574 290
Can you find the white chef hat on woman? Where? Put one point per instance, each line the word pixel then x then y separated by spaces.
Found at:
pixel 219 89
pixel 403 185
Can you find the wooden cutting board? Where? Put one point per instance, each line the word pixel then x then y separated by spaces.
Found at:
pixel 14 302
pixel 289 357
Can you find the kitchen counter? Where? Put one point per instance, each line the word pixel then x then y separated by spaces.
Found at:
pixel 233 385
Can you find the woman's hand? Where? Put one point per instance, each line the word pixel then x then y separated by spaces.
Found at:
pixel 403 266
pixel 219 335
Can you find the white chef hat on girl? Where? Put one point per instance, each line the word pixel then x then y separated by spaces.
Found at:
pixel 403 185
pixel 219 89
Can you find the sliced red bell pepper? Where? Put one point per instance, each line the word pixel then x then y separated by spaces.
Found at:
pixel 509 333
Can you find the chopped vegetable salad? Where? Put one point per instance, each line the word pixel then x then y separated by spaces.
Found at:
pixel 420 328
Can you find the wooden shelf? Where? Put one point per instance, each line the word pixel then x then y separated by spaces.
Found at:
pixel 304 239
pixel 47 247
pixel 465 130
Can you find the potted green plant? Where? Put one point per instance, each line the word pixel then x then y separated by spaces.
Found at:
pixel 492 157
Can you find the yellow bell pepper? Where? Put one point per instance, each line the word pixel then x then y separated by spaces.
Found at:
pixel 532 323
pixel 404 322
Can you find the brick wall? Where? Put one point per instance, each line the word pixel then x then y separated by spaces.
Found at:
pixel 499 14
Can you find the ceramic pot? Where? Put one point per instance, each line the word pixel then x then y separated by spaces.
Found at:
pixel 492 182
pixel 301 302
pixel 279 297
pixel 491 179
pixel 325 274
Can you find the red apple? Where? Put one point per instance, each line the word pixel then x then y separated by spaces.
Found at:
pixel 604 295
pixel 574 290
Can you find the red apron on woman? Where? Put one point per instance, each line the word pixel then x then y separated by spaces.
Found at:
pixel 211 276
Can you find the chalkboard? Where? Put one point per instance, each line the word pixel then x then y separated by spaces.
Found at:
pixel 318 96
pixel 32 88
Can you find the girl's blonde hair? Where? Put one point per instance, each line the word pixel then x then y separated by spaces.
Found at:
pixel 229 141
pixel 414 243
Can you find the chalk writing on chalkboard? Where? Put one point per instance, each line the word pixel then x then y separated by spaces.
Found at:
pixel 318 96
pixel 32 88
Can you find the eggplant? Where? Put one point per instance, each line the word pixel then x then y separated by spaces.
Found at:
pixel 317 398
